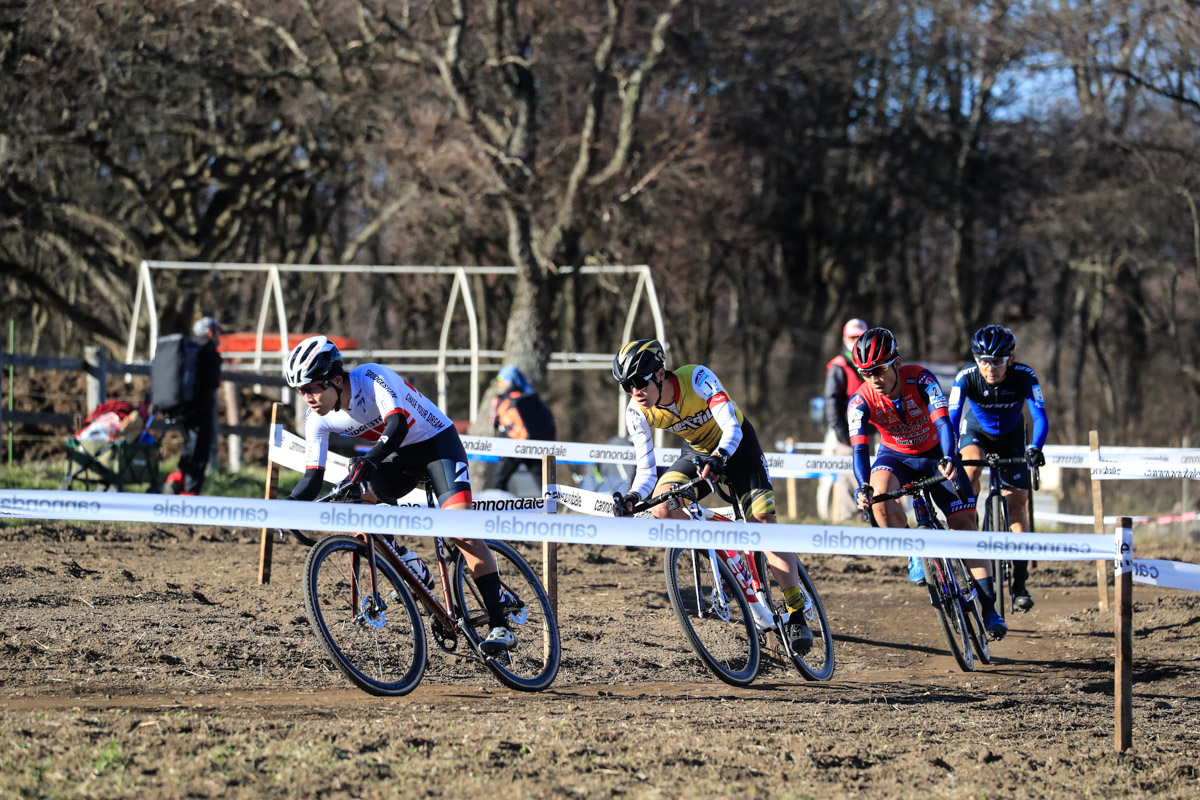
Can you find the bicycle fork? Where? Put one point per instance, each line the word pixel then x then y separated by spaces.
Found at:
pixel 745 572
pixel 369 609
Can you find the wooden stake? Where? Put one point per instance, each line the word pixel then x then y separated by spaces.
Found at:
pixel 550 549
pixel 791 484
pixel 1123 674
pixel 271 490
pixel 1098 516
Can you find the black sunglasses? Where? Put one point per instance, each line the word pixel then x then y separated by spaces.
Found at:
pixel 636 382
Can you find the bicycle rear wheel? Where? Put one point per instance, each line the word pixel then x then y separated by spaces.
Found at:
pixel 972 609
pixel 714 614
pixel 380 649
pixel 818 663
pixel 949 611
pixel 532 664
pixel 996 519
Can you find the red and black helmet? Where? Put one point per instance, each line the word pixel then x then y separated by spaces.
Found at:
pixel 875 347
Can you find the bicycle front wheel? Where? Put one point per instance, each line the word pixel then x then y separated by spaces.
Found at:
pixel 996 519
pixel 817 664
pixel 713 613
pixel 949 611
pixel 972 609
pixel 532 664
pixel 375 638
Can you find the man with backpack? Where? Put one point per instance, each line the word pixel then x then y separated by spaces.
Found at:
pixel 197 404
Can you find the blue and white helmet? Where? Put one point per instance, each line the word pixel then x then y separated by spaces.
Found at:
pixel 313 360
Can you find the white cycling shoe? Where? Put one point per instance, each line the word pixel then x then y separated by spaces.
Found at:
pixel 499 640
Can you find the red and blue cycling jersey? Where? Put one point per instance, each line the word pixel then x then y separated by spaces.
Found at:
pixel 998 409
pixel 914 423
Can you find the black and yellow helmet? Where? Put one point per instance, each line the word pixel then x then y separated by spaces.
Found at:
pixel 638 359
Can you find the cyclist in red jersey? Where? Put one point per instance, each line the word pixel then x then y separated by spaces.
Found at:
pixel 904 402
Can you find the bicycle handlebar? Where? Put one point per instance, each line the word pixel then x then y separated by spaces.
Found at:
pixel 993 461
pixel 685 491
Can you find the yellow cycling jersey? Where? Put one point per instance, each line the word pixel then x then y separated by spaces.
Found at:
pixel 690 416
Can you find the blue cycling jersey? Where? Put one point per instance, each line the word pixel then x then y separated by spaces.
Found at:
pixel 998 408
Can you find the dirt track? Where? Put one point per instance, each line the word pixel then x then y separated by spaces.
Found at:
pixel 149 663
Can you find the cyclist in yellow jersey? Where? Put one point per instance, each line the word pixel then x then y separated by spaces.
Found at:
pixel 718 440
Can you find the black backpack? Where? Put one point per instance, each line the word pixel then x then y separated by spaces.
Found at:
pixel 173 374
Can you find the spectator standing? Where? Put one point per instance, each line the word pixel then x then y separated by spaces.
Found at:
pixel 198 421
pixel 841 382
pixel 518 413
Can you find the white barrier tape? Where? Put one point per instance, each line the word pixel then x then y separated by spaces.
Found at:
pixel 409 521
pixel 1105 466
pixel 1123 550
pixel 1168 574
pixel 287 449
pixel 594 504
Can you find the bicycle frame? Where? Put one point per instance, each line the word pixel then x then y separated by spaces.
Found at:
pixel 744 570
pixel 444 621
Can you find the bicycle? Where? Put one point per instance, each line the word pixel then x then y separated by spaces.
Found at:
pixel 725 609
pixel 952 591
pixel 361 599
pixel 995 513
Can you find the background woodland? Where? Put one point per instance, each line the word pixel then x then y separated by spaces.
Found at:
pixel 782 166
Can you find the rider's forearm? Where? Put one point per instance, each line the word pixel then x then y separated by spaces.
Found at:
pixel 731 431
pixel 310 485
pixel 1040 425
pixel 860 457
pixel 395 428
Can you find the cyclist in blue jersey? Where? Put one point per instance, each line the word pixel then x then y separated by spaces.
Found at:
pixel 987 407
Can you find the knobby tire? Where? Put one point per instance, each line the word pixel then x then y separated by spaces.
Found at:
pixel 950 614
pixel 728 647
pixel 818 663
pixel 381 653
pixel 972 611
pixel 996 519
pixel 532 664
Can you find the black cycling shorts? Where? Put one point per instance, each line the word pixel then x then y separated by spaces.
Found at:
pixel 746 471
pixel 441 458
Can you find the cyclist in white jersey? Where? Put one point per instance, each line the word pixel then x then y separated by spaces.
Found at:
pixel 410 434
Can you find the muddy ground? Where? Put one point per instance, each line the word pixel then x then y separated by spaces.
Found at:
pixel 149 663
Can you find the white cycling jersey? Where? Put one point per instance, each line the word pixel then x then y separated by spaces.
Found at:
pixel 375 393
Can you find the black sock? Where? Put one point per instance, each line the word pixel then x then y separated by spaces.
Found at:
pixel 489 587
pixel 987 594
pixel 1020 574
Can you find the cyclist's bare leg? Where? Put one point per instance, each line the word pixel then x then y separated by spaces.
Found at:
pixel 661 511
pixel 478 557
pixel 889 514
pixel 782 565
pixel 969 521
pixel 1018 513
pixel 972 452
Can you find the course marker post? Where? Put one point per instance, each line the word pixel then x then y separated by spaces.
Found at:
pixel 271 490
pixel 790 447
pixel 1098 527
pixel 1123 675
pixel 550 549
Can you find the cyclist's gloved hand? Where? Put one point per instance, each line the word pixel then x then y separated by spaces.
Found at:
pixel 947 466
pixel 864 495
pixel 361 469
pixel 715 461
pixel 1035 457
pixel 623 507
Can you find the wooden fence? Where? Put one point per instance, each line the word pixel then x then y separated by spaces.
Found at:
pixel 97 367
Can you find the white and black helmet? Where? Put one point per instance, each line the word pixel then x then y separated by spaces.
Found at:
pixel 314 360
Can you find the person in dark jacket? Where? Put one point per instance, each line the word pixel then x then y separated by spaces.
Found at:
pixel 835 494
pixel 518 413
pixel 199 421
